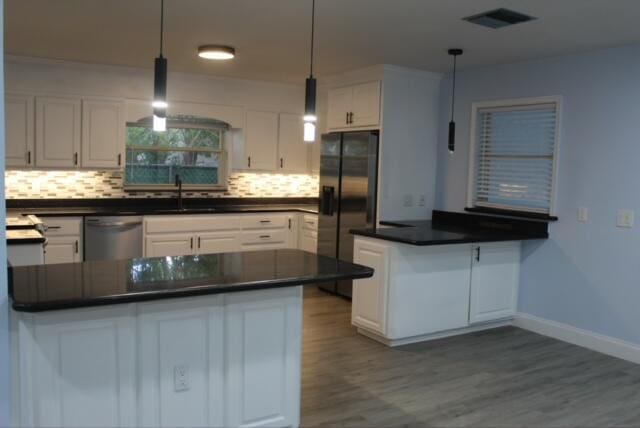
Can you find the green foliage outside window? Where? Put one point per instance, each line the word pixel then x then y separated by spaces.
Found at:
pixel 153 159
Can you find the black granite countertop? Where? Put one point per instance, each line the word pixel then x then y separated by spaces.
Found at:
pixel 159 206
pixel 457 228
pixel 74 285
pixel 24 236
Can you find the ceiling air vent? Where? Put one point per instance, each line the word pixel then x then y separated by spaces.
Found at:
pixel 499 18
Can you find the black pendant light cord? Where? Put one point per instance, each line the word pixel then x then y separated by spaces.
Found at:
pixel 313 20
pixel 453 89
pixel 161 26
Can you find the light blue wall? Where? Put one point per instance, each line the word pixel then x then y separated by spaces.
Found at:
pixel 4 302
pixel 585 275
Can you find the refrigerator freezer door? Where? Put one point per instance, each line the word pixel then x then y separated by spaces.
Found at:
pixel 329 191
pixel 357 193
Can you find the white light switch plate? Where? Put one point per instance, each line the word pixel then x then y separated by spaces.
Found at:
pixel 583 214
pixel 625 218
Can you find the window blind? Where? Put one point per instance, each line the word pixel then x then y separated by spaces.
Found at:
pixel 514 162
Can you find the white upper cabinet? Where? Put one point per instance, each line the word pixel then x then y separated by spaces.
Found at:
pixel 261 140
pixel 57 132
pixel 339 107
pixel 19 130
pixel 103 133
pixel 356 106
pixel 366 105
pixel 293 152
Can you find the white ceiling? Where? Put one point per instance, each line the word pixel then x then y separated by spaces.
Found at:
pixel 272 36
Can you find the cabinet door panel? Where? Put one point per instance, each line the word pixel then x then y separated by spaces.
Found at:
pixel 103 130
pixel 263 358
pixel 494 281
pixel 173 244
pixel 185 334
pixel 293 152
pixel 218 242
pixel 369 302
pixel 19 130
pixel 57 132
pixel 83 368
pixel 366 104
pixel 261 140
pixel 63 249
pixel 339 105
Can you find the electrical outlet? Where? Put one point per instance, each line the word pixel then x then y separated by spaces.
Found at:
pixel 583 214
pixel 625 218
pixel 181 378
pixel 423 200
pixel 408 200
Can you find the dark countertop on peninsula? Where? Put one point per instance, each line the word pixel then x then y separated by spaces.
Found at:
pixel 457 228
pixel 24 236
pixel 159 206
pixel 73 285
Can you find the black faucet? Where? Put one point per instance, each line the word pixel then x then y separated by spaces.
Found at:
pixel 179 185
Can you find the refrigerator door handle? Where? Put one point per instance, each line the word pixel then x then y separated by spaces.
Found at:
pixel 326 201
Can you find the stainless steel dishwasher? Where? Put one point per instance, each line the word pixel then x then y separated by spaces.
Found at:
pixel 112 237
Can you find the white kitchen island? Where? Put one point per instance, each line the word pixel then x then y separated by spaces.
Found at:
pixel 209 340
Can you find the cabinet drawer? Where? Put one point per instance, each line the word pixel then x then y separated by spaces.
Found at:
pixel 190 223
pixel 264 222
pixel 63 226
pixel 310 222
pixel 313 234
pixel 263 237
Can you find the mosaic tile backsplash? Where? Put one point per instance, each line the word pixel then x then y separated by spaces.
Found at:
pixel 33 184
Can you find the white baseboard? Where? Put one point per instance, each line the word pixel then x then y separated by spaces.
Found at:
pixel 588 339
pixel 433 336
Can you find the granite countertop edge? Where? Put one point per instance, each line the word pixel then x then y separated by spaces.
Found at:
pixel 107 211
pixel 425 243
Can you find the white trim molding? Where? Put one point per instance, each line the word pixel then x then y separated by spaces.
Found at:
pixel 587 339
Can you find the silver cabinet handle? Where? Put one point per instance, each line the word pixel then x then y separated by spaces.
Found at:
pixel 478 254
pixel 114 224
pixel 265 236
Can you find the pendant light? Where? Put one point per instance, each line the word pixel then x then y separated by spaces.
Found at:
pixel 452 124
pixel 160 83
pixel 310 117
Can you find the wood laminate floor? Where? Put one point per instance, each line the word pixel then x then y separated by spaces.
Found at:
pixel 499 378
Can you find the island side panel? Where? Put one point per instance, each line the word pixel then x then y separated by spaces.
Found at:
pixel 229 359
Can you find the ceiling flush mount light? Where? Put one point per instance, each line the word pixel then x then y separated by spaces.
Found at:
pixel 160 83
pixel 452 124
pixel 216 52
pixel 310 117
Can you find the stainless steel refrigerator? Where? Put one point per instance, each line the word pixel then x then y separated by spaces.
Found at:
pixel 348 194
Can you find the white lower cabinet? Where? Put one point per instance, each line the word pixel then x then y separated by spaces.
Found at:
pixel 64 240
pixel 495 274
pixel 221 360
pixel 370 295
pixel 308 233
pixel 418 293
pixel 168 244
pixel 219 233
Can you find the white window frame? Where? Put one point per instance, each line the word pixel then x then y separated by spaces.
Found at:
pixel 223 172
pixel 513 103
